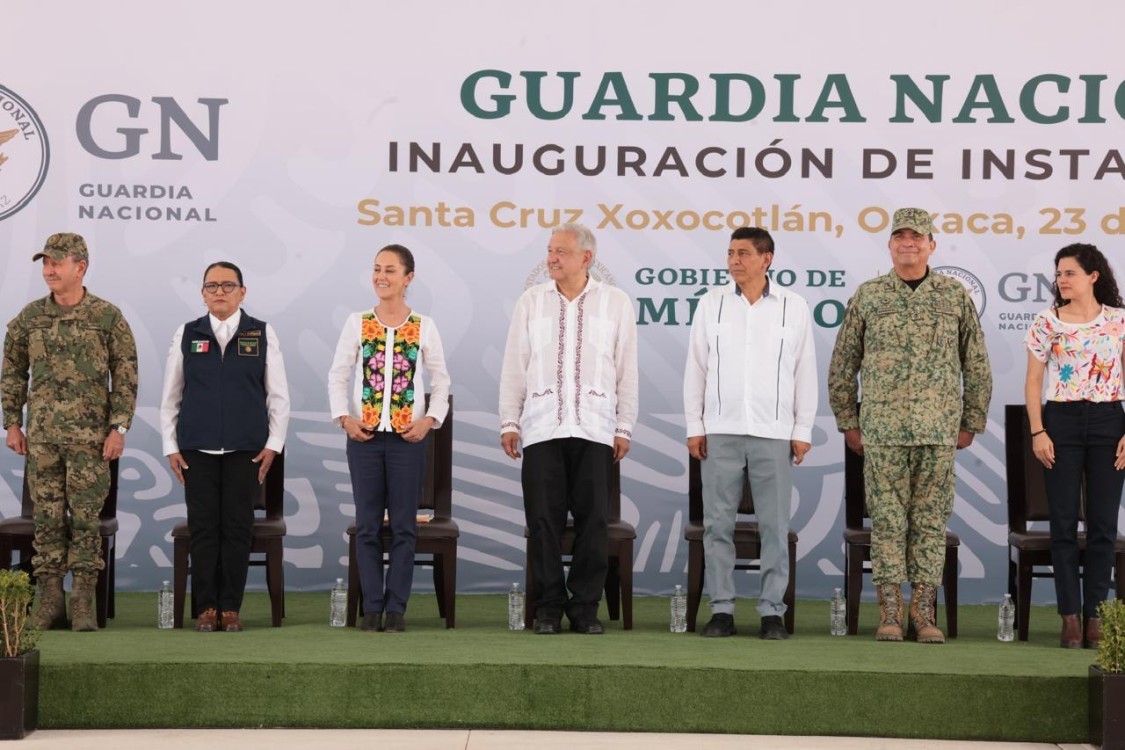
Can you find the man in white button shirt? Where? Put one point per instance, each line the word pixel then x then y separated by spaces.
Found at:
pixel 750 397
pixel 223 417
pixel 568 391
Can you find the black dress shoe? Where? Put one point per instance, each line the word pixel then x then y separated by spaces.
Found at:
pixel 547 626
pixel 371 622
pixel 588 626
pixel 395 623
pixel 773 629
pixel 721 625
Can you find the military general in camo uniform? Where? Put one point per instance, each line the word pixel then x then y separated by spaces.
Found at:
pixel 71 359
pixel 913 339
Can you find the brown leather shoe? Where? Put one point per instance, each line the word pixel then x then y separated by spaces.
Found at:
pixel 1071 636
pixel 207 621
pixel 231 623
pixel 1093 632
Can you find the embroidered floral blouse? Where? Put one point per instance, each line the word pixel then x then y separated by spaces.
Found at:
pixel 387 364
pixel 1083 359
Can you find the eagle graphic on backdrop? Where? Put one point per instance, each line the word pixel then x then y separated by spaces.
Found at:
pixel 5 136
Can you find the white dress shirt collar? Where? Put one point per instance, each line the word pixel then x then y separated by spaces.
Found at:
pixel 224 329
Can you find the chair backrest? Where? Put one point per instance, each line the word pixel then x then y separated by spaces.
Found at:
pixel 1027 489
pixel 271 498
pixel 437 487
pixel 614 492
pixel 109 505
pixel 695 493
pixel 855 492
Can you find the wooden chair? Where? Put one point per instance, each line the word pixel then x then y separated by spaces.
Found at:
pixel 619 576
pixel 437 538
pixel 1029 551
pixel 857 548
pixel 18 535
pixel 268 533
pixel 747 546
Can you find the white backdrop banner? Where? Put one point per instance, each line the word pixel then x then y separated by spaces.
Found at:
pixel 296 142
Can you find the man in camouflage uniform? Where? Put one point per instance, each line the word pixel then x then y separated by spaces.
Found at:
pixel 915 342
pixel 70 357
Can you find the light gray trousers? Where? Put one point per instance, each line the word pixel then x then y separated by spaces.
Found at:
pixel 769 466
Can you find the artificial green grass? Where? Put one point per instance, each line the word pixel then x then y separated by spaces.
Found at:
pixel 307 674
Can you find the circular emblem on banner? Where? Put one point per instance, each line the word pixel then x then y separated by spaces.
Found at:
pixel 24 153
pixel 539 274
pixel 970 282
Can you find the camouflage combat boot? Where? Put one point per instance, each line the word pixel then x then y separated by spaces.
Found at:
pixel 52 604
pixel 923 600
pixel 82 618
pixel 890 612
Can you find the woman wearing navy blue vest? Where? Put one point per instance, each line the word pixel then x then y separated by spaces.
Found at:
pixel 223 415
pixel 387 348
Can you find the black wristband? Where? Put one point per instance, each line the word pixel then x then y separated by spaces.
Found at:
pixel 1040 432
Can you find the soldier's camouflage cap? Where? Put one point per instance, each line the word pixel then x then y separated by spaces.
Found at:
pixel 62 244
pixel 917 219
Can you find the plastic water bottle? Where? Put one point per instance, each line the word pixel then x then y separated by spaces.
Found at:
pixel 164 601
pixel 678 622
pixel 338 612
pixel 515 608
pixel 838 614
pixel 1005 630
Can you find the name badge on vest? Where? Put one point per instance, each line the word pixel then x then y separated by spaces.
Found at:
pixel 200 347
pixel 247 347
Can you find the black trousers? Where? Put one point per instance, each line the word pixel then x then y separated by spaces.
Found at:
pixel 1085 435
pixel 560 476
pixel 220 492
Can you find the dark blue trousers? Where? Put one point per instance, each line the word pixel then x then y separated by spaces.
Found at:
pixel 1085 435
pixel 387 474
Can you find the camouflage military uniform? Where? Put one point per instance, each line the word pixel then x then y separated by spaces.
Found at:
pixel 921 357
pixel 60 362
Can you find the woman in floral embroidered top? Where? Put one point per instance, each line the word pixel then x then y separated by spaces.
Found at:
pixel 387 349
pixel 1080 434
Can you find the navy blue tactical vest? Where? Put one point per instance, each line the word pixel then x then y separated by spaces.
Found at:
pixel 224 401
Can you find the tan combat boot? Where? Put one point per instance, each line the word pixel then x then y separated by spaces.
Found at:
pixel 52 603
pixel 923 601
pixel 890 612
pixel 82 617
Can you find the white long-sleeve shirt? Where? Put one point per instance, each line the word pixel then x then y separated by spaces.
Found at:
pixel 347 365
pixel 751 368
pixel 277 386
pixel 570 367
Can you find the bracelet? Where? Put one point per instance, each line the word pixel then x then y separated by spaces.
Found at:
pixel 1040 432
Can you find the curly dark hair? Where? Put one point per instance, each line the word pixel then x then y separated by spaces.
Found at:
pixel 1091 259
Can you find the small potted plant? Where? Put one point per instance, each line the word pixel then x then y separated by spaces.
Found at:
pixel 1107 679
pixel 19 660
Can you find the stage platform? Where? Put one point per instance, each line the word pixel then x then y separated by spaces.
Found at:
pixel 480 675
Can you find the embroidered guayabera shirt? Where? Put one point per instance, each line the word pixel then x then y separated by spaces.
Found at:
pixel 751 368
pixel 570 367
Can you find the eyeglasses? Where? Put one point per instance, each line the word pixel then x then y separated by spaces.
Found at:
pixel 228 287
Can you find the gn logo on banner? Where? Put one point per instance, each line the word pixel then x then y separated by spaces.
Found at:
pixel 24 153
pixel 101 132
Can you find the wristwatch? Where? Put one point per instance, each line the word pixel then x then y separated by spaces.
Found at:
pixel 119 429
